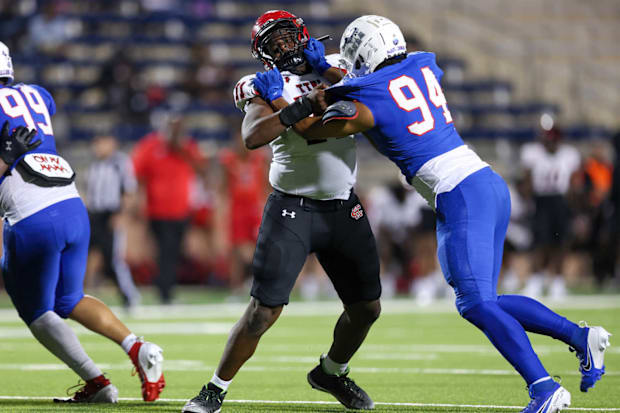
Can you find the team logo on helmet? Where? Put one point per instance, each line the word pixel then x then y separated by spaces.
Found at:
pixel 370 40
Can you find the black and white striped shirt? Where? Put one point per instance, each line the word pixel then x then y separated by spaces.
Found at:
pixel 108 180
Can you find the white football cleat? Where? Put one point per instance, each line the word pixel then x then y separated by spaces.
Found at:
pixel 148 359
pixel 592 360
pixel 551 401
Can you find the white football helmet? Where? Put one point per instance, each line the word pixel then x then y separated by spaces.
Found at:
pixel 368 41
pixel 6 64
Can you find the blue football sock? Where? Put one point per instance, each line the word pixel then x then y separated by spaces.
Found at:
pixel 544 386
pixel 536 318
pixel 509 337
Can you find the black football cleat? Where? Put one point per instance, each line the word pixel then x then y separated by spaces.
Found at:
pixel 341 387
pixel 209 400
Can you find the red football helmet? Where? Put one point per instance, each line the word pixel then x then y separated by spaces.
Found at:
pixel 284 25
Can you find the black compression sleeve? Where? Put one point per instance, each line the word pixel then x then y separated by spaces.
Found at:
pixel 293 113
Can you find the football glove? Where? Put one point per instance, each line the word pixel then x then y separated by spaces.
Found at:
pixel 315 55
pixel 14 145
pixel 269 84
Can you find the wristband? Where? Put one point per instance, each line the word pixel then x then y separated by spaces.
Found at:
pixel 293 113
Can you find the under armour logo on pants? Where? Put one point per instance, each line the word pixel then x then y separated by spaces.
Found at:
pixel 290 214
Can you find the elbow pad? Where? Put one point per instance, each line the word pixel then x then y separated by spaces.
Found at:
pixel 341 110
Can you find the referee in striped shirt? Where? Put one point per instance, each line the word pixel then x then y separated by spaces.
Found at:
pixel 111 181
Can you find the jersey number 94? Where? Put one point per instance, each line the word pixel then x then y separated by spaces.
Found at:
pixel 418 100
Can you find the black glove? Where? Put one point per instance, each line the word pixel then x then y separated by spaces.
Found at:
pixel 16 144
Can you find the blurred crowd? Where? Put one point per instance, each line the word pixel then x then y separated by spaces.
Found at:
pixel 169 209
pixel 191 217
pixel 563 233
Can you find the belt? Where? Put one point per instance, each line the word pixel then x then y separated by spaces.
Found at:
pixel 310 204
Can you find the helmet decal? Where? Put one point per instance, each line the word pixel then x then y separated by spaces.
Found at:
pixel 370 40
pixel 6 64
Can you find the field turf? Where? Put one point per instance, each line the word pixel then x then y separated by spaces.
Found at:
pixel 416 359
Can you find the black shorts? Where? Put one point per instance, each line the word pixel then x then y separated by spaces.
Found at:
pixel 337 231
pixel 101 233
pixel 552 221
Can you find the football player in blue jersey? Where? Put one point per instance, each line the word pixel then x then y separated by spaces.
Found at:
pixel 46 234
pixel 396 100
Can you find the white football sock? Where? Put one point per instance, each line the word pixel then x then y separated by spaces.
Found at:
pixel 333 368
pixel 60 339
pixel 128 342
pixel 222 384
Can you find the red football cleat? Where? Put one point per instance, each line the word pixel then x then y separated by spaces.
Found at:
pixel 148 359
pixel 97 390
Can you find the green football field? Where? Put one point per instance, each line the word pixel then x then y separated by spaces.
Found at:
pixel 421 359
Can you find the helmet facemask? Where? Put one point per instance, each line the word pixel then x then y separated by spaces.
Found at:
pixel 282 46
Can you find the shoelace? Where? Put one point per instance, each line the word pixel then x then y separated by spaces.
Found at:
pixel 209 395
pixel 350 384
pixel 80 386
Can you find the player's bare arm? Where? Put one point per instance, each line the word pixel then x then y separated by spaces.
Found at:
pixel 333 75
pixel 264 122
pixel 261 124
pixel 338 122
pixel 318 102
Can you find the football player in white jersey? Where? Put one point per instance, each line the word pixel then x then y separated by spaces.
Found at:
pixel 312 209
pixel 45 239
pixel 550 165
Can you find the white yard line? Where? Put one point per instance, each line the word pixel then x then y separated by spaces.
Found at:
pixel 252 366
pixel 302 402
pixel 328 308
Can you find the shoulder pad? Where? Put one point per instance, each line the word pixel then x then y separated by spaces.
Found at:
pixel 341 110
pixel 244 91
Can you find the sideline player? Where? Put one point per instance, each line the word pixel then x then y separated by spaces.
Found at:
pixel 396 100
pixel 312 209
pixel 46 233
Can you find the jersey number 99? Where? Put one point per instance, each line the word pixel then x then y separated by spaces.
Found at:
pixel 14 106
